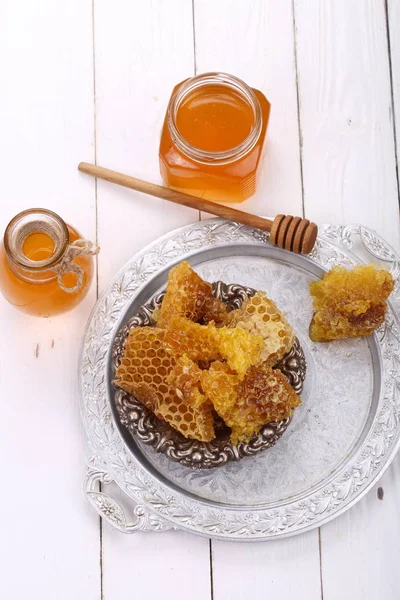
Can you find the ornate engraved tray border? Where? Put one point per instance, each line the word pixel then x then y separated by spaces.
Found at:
pixel 157 506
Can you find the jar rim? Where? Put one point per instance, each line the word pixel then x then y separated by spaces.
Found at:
pixel 205 156
pixel 32 221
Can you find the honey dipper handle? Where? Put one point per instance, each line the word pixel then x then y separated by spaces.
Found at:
pixel 281 238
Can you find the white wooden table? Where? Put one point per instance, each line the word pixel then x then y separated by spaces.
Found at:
pixel 90 80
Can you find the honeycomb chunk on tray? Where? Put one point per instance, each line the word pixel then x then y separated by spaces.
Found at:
pixel 240 348
pixel 188 296
pixel 261 316
pixel 263 396
pixel 349 303
pixel 143 371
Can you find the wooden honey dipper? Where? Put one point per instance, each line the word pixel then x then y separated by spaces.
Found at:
pixel 290 233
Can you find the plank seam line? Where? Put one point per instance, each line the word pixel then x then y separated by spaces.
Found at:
pixel 392 96
pixel 194 58
pixel 97 256
pixel 96 210
pixel 300 133
pixel 211 571
pixel 194 40
pixel 320 563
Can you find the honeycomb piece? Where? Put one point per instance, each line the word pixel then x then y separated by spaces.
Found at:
pixel 185 378
pixel 214 311
pixel 206 342
pixel 240 348
pixel 187 296
pixel 349 303
pixel 263 396
pixel 196 341
pixel 261 316
pixel 143 371
pixel 143 365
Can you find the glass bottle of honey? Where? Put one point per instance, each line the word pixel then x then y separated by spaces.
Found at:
pixel 46 268
pixel 212 137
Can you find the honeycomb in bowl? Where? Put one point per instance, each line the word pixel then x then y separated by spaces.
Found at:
pixel 189 296
pixel 143 372
pixel 260 316
pixel 240 348
pixel 202 360
pixel 185 378
pixel 349 303
pixel 263 396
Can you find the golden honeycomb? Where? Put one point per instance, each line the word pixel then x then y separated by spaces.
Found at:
pixel 260 316
pixel 240 348
pixel 196 341
pixel 349 303
pixel 263 396
pixel 188 296
pixel 201 358
pixel 143 372
pixel 185 378
pixel 206 342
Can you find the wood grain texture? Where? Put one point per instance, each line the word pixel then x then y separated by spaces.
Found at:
pixel 350 176
pixel 360 550
pixel 171 565
pixel 141 51
pixel 393 25
pixel 345 114
pixel 49 542
pixel 283 569
pixel 254 40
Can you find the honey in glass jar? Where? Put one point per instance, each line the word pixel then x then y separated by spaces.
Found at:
pixel 46 268
pixel 212 137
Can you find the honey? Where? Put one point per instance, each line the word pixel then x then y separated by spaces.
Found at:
pixel 38 246
pixel 215 118
pixel 34 246
pixel 212 137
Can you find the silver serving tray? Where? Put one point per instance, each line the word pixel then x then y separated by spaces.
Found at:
pixel 340 439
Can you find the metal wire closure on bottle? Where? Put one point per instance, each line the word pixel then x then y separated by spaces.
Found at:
pixel 67 265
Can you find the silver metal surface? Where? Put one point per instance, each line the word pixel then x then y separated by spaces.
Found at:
pixel 340 440
pixel 146 428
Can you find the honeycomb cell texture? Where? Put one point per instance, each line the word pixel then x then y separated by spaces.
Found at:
pixel 202 363
pixel 240 348
pixel 143 372
pixel 188 296
pixel 349 303
pixel 263 396
pixel 260 316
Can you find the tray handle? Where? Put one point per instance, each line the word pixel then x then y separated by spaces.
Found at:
pixel 111 511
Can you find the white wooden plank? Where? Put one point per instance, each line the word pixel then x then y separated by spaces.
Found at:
pixel 345 114
pixel 142 50
pixel 349 176
pixel 393 15
pixel 254 40
pixel 46 122
pixel 286 568
pixel 360 550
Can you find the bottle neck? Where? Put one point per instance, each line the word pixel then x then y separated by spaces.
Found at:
pixel 35 242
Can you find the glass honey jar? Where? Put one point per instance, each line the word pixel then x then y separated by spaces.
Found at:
pixel 212 137
pixel 46 268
